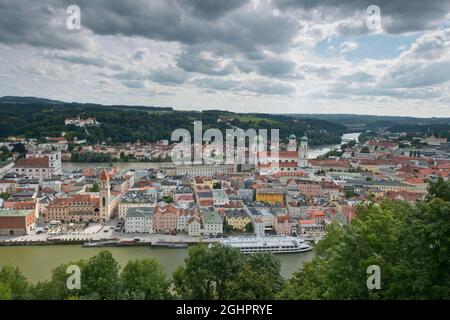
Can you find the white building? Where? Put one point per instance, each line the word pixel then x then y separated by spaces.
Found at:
pixel 194 227
pixel 204 170
pixel 262 216
pixel 186 214
pixel 220 198
pixel 167 187
pixel 212 223
pixel 81 122
pixel 139 220
pixel 135 199
pixel 54 160
pixel 33 167
pixel 6 167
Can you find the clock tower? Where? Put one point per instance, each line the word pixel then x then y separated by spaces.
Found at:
pixel 105 196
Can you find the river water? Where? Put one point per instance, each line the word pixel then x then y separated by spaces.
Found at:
pixel 37 262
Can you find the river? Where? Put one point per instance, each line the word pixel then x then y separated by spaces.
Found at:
pixel 37 262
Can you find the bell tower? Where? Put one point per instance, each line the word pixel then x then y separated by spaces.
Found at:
pixel 105 196
pixel 292 144
pixel 303 152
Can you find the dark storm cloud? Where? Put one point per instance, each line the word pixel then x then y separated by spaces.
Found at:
pixel 170 21
pixel 211 9
pixel 36 24
pixel 402 16
pixel 210 23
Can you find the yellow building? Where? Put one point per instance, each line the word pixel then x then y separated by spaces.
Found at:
pixel 370 167
pixel 271 196
pixel 237 218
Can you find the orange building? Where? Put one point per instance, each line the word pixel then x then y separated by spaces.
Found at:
pixel 271 196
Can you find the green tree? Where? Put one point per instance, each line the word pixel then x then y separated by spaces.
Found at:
pixel 365 149
pixel 249 227
pixel 439 189
pixel 56 288
pixel 144 278
pixel 250 285
pixel 100 277
pixel 207 272
pixel 5 292
pixel 410 244
pixel 5 196
pixel 20 149
pixel 95 188
pixel 259 279
pixel 13 283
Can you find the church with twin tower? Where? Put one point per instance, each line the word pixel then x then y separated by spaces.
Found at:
pixel 292 158
pixel 302 149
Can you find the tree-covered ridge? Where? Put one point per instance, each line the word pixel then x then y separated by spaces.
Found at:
pixel 36 119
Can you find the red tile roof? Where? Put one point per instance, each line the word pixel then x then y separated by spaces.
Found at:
pixel 104 176
pixel 32 163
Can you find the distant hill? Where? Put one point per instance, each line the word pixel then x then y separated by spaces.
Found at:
pixel 27 100
pixel 39 118
pixel 370 122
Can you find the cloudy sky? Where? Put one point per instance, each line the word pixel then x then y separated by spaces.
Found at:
pixel 274 56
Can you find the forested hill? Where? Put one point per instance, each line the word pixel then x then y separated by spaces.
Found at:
pixel 435 126
pixel 39 118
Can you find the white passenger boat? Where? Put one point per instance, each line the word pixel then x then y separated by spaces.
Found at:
pixel 273 244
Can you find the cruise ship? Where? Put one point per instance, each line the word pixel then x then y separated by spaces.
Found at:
pixel 273 244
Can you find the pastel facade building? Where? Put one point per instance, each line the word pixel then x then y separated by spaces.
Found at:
pixel 212 223
pixel 194 226
pixel 165 218
pixel 79 208
pixel 285 225
pixel 237 218
pixel 139 220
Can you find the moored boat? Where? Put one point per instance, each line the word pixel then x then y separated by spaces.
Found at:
pixel 273 244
